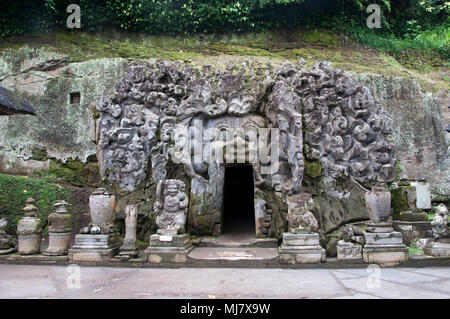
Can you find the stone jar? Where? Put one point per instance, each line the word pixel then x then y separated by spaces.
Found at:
pixel 102 205
pixel 378 203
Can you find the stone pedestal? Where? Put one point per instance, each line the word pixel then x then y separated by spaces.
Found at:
pixel 58 244
pixel 128 249
pixel 349 251
pixel 301 248
pixel 59 228
pixel 438 248
pixel 384 247
pixel 29 244
pixel 89 247
pixel 168 248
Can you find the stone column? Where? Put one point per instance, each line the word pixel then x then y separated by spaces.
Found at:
pixel 60 226
pixel 383 245
pixel 29 230
pixel 301 244
pixel 128 249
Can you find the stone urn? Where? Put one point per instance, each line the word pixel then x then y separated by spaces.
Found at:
pixel 60 225
pixel 102 205
pixel 29 230
pixel 378 203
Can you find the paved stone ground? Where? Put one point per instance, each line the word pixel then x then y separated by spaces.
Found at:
pixel 23 281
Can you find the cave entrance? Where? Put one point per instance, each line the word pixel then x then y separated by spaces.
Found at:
pixel 238 207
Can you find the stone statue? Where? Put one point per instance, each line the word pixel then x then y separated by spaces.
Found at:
pixel 300 216
pixel 171 207
pixel 441 222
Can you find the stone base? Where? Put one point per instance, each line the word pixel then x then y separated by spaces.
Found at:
pixel 349 251
pixel 29 244
pixel 7 251
pixel 388 255
pixel 94 247
pixel 379 227
pixel 34 258
pixel 384 248
pixel 127 251
pixel 439 248
pixel 301 249
pixel 58 244
pixel 412 230
pixel 168 249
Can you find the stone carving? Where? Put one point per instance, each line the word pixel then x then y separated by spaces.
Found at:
pixel 6 241
pixel 152 114
pixel 60 225
pixel 128 248
pixel 29 230
pixel 440 246
pixel 345 127
pixel 441 222
pixel 300 216
pixel 171 207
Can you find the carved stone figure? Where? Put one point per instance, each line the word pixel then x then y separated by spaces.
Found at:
pixel 441 222
pixel 300 216
pixel 171 207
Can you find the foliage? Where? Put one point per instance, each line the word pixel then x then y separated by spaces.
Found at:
pixel 210 16
pixel 15 190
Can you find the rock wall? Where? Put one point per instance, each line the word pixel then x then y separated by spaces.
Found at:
pixel 422 145
pixel 47 79
pixel 61 130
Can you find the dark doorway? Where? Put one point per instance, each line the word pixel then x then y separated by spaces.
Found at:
pixel 239 210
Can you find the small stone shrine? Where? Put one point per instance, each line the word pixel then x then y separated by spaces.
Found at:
pixel 301 243
pixel 98 241
pixel 383 245
pixel 59 227
pixel 29 230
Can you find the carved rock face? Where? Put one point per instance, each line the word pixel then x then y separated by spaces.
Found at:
pixel 140 124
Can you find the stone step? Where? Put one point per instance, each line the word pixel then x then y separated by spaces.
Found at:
pixel 224 254
pixel 236 242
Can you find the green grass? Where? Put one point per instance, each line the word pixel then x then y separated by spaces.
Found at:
pixel 415 251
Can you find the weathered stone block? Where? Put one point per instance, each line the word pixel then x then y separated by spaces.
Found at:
pixel 346 251
pixel 300 239
pixel 29 244
pixel 90 247
pixel 58 244
pixel 439 248
pixel 394 238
